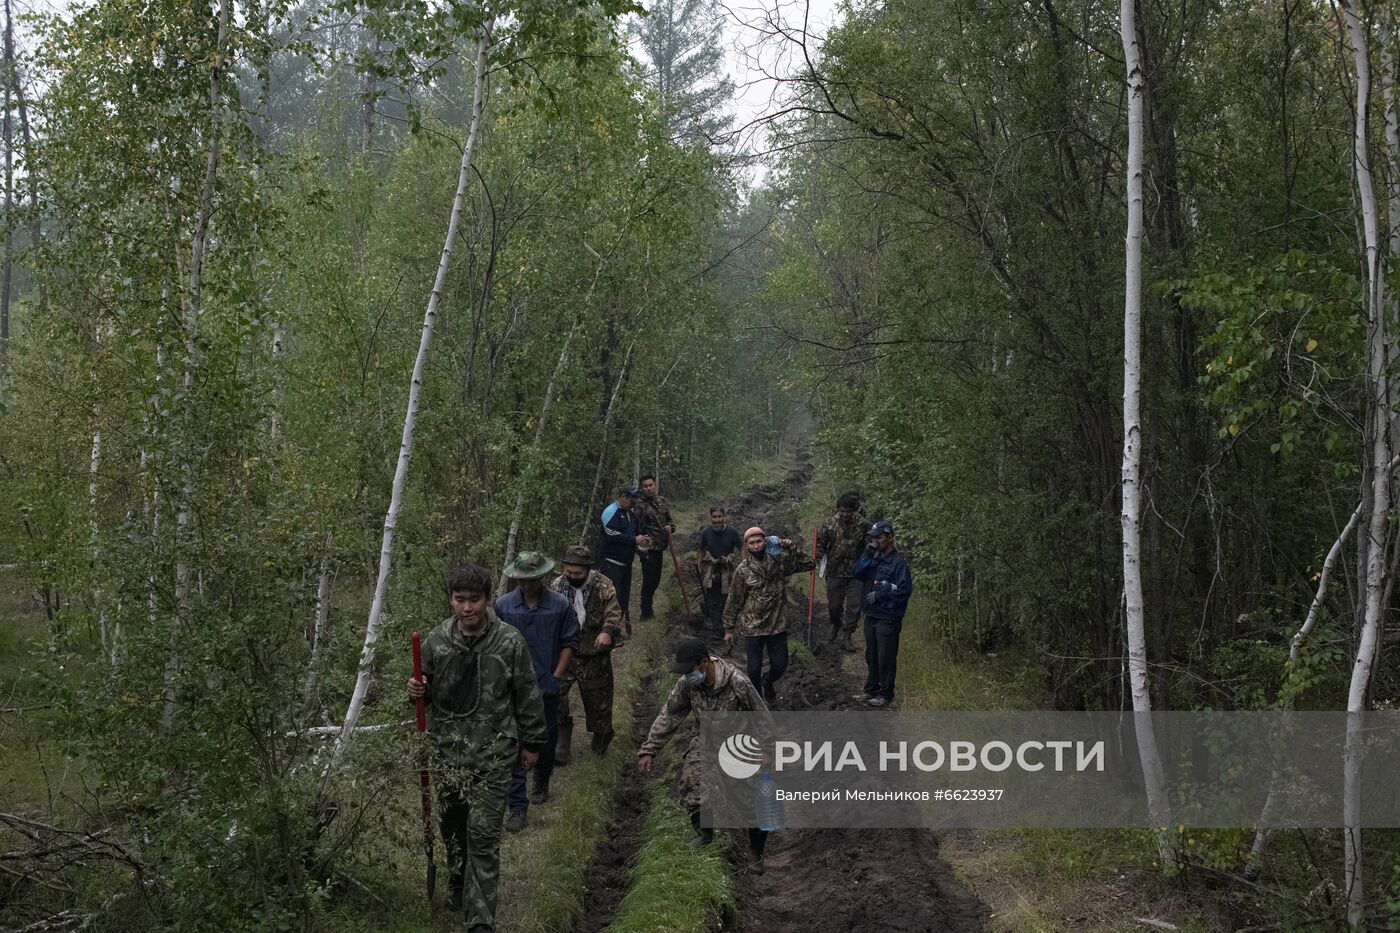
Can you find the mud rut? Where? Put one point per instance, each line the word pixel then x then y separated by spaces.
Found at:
pixel 816 880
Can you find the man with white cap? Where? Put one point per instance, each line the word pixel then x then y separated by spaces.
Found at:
pixel 757 604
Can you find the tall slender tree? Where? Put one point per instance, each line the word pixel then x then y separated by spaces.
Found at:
pixel 682 41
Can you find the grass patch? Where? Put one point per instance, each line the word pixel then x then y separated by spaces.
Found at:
pixel 548 863
pixel 673 887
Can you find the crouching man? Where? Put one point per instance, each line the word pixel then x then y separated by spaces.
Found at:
pixel 706 684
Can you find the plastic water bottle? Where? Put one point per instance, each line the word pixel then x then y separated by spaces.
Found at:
pixel 768 809
pixel 775 546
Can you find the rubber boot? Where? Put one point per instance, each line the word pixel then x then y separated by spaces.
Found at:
pixel 757 840
pixel 846 644
pixel 835 634
pixel 600 743
pixel 563 745
pixel 703 836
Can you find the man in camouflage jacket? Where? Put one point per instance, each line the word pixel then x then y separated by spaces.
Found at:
pixel 757 605
pixel 600 618
pixel 841 541
pixel 654 517
pixel 706 684
pixel 484 713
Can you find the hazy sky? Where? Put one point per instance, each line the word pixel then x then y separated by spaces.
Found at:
pixel 755 53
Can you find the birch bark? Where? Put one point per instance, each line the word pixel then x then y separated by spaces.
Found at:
pixel 1378 429
pixel 381 586
pixel 193 305
pixel 1132 440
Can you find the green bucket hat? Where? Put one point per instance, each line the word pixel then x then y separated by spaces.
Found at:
pixel 529 565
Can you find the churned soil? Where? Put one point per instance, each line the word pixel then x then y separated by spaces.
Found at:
pixel 612 863
pixel 846 880
pixel 836 880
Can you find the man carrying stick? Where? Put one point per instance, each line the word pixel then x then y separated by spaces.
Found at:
pixel 484 715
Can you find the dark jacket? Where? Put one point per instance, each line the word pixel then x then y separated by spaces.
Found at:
pixel 549 628
pixel 618 542
pixel 887 576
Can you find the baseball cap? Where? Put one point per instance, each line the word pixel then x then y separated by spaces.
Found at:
pixel 690 652
pixel 880 528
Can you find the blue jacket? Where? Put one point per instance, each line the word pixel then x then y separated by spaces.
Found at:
pixel 619 539
pixel 887 585
pixel 549 628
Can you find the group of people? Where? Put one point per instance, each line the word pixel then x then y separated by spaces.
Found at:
pixel 497 676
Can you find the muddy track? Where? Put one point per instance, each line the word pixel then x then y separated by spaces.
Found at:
pixel 607 877
pixel 842 881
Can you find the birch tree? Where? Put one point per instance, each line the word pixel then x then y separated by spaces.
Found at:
pixel 1132 441
pixel 391 518
pixel 1377 468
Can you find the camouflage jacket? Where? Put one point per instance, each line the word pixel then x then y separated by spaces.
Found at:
pixel 483 704
pixel 732 693
pixel 840 543
pixel 717 570
pixel 595 604
pixel 653 515
pixel 757 603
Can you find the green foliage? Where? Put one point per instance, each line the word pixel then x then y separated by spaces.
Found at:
pixel 1286 349
pixel 674 886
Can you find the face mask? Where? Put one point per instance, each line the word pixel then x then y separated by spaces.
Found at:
pixel 695 678
pixel 576 583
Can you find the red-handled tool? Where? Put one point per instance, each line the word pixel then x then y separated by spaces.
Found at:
pixel 424 780
pixel 812 589
pixel 670 546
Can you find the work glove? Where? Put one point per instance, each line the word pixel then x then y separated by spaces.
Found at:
pixel 872 597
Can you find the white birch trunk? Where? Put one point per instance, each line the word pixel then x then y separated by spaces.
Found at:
pixel 1132 441
pixel 94 545
pixel 391 518
pixel 518 512
pixel 1378 426
pixel 1324 578
pixel 193 303
pixel 318 630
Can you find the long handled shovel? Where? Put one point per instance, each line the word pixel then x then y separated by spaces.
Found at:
pixel 423 779
pixel 670 546
pixel 812 589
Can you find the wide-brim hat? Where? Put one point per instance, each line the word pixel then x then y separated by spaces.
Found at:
pixel 529 565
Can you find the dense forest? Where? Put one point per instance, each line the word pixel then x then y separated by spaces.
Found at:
pixel 304 304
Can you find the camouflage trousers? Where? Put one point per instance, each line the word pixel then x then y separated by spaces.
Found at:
pixel 843 604
pixel 594 676
pixel 471 807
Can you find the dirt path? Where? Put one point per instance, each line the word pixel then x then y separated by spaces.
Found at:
pixel 607 878
pixel 842 881
pixel 839 880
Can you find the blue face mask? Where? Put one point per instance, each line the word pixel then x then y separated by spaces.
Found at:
pixel 695 678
